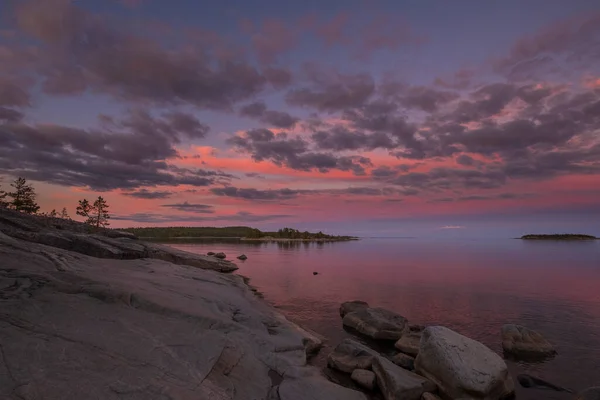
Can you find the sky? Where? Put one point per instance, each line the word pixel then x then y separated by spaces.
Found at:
pixel 366 117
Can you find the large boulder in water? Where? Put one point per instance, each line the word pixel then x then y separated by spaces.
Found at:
pixel 462 368
pixel 592 393
pixel 220 255
pixel 523 343
pixel 351 306
pixel 399 384
pixel 377 323
pixel 350 355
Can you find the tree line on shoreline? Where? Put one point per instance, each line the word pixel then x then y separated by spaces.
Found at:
pixel 233 232
pixel 23 199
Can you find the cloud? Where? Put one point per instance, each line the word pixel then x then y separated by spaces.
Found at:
pixel 562 45
pixel 256 194
pixel 452 227
pixel 148 194
pixel 191 207
pixel 332 91
pixel 294 153
pixel 80 51
pixel 278 119
pixel 238 218
pixel 128 153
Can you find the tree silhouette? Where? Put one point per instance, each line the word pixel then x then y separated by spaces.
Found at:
pixel 23 197
pixel 96 214
pixel 64 214
pixel 101 215
pixel 3 203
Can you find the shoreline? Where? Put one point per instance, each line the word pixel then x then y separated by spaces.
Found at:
pixel 108 297
pixel 244 239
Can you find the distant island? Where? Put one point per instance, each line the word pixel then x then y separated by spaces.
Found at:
pixel 563 236
pixel 233 232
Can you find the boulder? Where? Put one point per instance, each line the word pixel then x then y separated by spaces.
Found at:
pixel 242 257
pixel 220 255
pixel 404 361
pixel 377 323
pixel 523 343
pixel 430 396
pixel 350 355
pixel 351 306
pixel 314 388
pixel 315 273
pixel 592 393
pixel 409 343
pixel 364 378
pixel 462 367
pixel 210 253
pixel 397 383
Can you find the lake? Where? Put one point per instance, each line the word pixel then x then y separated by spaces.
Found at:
pixel 471 286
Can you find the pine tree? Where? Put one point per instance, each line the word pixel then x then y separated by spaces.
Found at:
pixel 23 197
pixel 53 213
pixel 3 203
pixel 96 214
pixel 64 214
pixel 101 215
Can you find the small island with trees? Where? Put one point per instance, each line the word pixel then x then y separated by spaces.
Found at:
pixel 561 236
pixel 233 232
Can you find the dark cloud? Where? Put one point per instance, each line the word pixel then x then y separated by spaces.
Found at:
pixel 286 194
pixel 450 178
pixel 80 51
pixel 191 207
pixel 127 153
pixel 332 91
pixel 238 218
pixel 10 115
pixel 574 41
pixel 256 194
pixel 149 194
pixel 278 119
pixel 339 139
pixel 499 196
pixel 426 98
pixel 263 144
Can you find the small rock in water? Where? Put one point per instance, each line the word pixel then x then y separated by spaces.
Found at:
pixel 242 257
pixel 364 378
pixel 350 306
pixel 315 273
pixel 220 255
pixel 210 253
pixel 592 393
pixel 403 360
pixel 523 343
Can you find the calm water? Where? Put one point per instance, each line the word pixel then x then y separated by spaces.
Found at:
pixel 471 286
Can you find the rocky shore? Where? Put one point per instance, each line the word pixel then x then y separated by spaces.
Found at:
pixel 106 316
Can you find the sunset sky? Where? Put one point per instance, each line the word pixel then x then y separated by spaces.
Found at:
pixel 384 118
